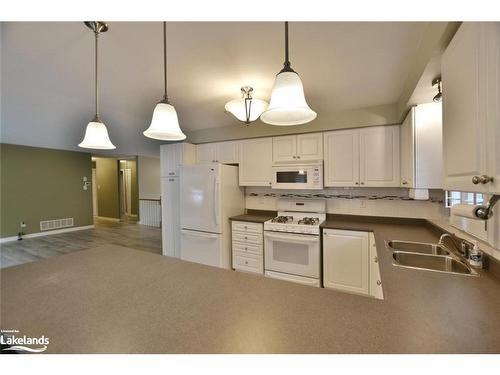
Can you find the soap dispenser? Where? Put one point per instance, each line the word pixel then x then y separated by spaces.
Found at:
pixel 476 256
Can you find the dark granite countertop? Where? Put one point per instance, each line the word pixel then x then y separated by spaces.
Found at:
pixel 255 216
pixel 117 300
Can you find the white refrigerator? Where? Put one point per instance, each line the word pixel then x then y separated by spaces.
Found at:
pixel 209 195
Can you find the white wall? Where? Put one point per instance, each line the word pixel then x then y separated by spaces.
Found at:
pixel 149 177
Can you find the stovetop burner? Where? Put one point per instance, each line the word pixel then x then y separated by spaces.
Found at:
pixel 309 221
pixel 282 219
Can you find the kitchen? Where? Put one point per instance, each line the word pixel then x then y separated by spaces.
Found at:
pixel 293 227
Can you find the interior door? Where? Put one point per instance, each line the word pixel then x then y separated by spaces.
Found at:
pixel 200 193
pixel 342 158
pixel 203 248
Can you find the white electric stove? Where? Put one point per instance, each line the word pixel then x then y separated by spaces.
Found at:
pixel 292 249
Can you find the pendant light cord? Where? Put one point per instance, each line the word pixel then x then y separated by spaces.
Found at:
pixel 165 96
pixel 96 76
pixel 286 65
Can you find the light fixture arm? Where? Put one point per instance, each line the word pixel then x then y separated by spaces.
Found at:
pixel 286 65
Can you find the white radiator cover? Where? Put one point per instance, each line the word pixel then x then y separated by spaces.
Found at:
pixel 150 212
pixel 56 224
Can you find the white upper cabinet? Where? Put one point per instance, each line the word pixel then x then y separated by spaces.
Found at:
pixel 341 158
pixel 471 85
pixel 173 155
pixel 421 148
pixel 310 146
pixel 285 148
pixel 407 137
pixel 379 156
pixel 362 157
pixel 206 153
pixel 227 152
pixel 220 152
pixel 298 148
pixel 255 161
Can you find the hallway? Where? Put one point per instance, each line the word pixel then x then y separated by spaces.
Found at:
pixel 135 236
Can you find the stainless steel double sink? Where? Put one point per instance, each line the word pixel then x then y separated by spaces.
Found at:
pixel 427 256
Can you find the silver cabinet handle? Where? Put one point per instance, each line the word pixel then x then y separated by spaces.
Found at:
pixel 246 262
pixel 298 157
pixel 357 183
pixel 405 182
pixel 171 173
pixel 362 183
pixel 246 227
pixel 483 179
pixel 379 282
pixel 294 157
pixel 375 259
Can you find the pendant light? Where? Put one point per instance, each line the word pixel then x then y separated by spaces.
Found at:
pixel 288 105
pixel 165 124
pixel 247 109
pixel 96 134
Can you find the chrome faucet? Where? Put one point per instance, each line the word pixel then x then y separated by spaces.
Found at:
pixel 461 246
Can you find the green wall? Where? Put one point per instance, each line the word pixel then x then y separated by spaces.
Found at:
pixel 42 184
pixel 108 204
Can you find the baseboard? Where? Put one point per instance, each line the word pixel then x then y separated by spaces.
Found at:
pixel 107 218
pixel 46 233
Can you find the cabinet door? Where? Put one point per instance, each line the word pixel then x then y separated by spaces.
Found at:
pixel 256 158
pixel 492 35
pixel 407 150
pixel 310 146
pixel 375 280
pixel 170 159
pixel 285 148
pixel 341 158
pixel 464 138
pixel 346 261
pixel 170 214
pixel 379 156
pixel 227 152
pixel 205 153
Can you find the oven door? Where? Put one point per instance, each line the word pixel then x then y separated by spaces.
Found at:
pixel 296 254
pixel 298 177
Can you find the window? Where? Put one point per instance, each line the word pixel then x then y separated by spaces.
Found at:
pixel 457 197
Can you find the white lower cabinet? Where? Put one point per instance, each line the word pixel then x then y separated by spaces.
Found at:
pixel 170 213
pixel 347 262
pixel 247 241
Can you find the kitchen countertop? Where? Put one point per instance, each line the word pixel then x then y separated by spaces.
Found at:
pixel 255 216
pixel 113 299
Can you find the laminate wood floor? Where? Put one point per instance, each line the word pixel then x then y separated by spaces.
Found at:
pixel 135 236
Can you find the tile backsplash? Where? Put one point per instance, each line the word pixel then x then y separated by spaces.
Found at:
pixel 393 202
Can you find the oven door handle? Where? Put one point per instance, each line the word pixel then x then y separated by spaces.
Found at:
pixel 292 237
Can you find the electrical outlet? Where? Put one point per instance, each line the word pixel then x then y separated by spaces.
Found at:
pixel 362 203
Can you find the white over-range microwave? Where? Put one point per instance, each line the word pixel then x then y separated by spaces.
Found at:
pixel 297 176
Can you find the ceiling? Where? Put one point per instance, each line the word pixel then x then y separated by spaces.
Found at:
pixel 47 73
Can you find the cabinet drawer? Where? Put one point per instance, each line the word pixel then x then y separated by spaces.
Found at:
pixel 247 248
pixel 247 237
pixel 243 226
pixel 249 263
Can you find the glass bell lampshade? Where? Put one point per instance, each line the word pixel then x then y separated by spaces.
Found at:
pixel 96 136
pixel 288 105
pixel 165 124
pixel 239 107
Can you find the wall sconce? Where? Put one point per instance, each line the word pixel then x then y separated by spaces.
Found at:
pixel 437 82
pixel 246 109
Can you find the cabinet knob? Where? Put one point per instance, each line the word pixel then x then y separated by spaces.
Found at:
pixel 405 182
pixel 483 179
pixel 246 262
pixel 246 227
pixel 362 183
pixel 294 157
pixel 357 183
pixel 298 157
pixel 379 282
pixel 375 259
pixel 246 238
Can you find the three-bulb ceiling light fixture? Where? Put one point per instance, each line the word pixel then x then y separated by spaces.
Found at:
pixel 288 105
pixel 439 96
pixel 246 109
pixel 165 124
pixel 96 134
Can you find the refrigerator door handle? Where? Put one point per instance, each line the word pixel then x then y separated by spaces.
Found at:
pixel 198 234
pixel 216 200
